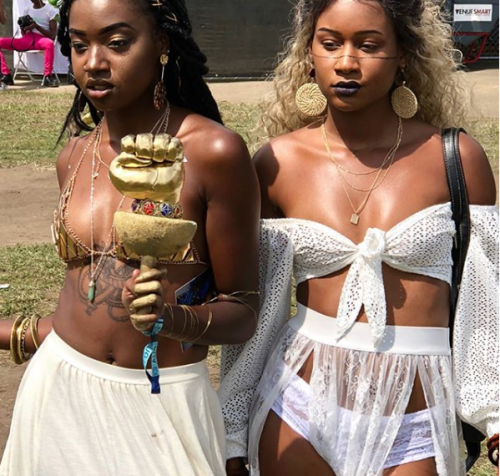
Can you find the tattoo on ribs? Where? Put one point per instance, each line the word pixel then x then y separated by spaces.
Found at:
pixel 108 291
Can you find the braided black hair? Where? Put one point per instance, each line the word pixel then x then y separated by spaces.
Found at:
pixel 184 72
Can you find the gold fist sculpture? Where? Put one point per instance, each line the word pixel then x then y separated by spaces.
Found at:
pixel 149 167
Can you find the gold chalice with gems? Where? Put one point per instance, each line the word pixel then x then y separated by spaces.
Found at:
pixel 150 169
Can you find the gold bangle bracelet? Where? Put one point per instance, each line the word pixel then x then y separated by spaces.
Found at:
pixel 209 321
pixel 34 331
pixel 22 330
pixel 14 341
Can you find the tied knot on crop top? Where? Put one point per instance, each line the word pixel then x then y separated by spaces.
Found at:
pixel 419 244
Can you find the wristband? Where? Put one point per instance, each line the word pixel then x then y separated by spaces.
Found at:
pixel 150 352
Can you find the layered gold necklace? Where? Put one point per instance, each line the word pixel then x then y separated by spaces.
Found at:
pixel 379 177
pixel 109 249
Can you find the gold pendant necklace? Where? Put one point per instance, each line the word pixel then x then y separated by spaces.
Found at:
pixel 161 124
pixel 378 179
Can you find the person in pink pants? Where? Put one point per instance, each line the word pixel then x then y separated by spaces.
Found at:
pixel 38 33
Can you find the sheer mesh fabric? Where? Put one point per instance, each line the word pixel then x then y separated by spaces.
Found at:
pixel 420 244
pixel 358 402
pixel 413 441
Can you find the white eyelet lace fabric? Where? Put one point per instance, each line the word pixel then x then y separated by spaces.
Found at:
pixel 475 350
pixel 420 244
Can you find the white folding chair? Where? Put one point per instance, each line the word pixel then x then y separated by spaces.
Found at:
pixel 22 65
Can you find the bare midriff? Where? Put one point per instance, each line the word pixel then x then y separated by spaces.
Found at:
pixel 412 300
pixel 103 331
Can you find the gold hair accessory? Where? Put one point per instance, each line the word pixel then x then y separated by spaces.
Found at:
pixel 160 94
pixel 404 102
pixel 309 99
pixel 172 18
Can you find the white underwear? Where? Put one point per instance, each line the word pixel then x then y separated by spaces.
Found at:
pixel 413 441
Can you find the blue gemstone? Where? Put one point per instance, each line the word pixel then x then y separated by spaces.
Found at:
pixel 136 205
pixel 166 209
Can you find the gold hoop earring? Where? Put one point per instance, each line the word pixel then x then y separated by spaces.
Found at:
pixel 310 101
pixel 404 102
pixel 160 94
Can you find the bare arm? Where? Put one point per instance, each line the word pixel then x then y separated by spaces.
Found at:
pixel 229 188
pixel 49 33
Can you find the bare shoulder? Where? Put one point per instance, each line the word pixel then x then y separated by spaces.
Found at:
pixel 68 158
pixel 278 163
pixel 281 153
pixel 212 145
pixel 478 174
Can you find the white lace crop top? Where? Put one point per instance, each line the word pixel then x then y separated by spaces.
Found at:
pixel 420 244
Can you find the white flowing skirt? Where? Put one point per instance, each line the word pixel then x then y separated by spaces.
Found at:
pixel 77 416
pixel 373 385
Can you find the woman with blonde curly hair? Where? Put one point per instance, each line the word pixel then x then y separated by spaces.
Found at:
pixel 356 206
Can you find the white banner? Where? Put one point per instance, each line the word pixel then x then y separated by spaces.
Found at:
pixel 35 62
pixel 468 12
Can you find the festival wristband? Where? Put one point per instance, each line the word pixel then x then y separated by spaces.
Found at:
pixel 150 352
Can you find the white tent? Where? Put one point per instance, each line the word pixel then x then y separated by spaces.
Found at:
pixel 34 62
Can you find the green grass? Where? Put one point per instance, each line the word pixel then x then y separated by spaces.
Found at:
pixel 35 275
pixel 29 127
pixel 485 131
pixel 30 124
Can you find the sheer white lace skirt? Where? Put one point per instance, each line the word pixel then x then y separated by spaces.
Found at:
pixel 374 385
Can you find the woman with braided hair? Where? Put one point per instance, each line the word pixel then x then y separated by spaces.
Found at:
pixel 356 207
pixel 86 405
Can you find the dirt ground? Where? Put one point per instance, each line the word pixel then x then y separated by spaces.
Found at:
pixel 26 221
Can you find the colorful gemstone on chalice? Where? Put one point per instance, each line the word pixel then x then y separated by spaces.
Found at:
pixel 148 208
pixel 166 209
pixel 136 206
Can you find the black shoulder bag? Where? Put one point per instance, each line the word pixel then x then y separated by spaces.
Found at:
pixel 461 217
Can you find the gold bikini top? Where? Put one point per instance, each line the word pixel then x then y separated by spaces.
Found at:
pixel 71 248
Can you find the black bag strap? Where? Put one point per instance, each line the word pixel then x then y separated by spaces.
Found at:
pixel 461 217
pixel 460 210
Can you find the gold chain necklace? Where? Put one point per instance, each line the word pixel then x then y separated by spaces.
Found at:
pixel 388 159
pixel 110 250
pixel 350 172
pixel 161 124
pixel 376 183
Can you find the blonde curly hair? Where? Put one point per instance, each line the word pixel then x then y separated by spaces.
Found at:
pixel 431 69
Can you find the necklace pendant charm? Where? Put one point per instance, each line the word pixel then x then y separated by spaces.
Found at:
pixel 354 219
pixel 91 292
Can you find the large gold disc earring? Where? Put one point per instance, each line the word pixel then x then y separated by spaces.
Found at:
pixel 404 102
pixel 310 101
pixel 160 94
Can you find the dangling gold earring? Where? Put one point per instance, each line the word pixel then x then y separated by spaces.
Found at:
pixel 160 95
pixel 310 101
pixel 404 102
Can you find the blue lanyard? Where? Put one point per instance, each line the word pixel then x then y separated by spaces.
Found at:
pixel 150 352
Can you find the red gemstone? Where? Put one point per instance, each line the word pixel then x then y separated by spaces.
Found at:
pixel 148 208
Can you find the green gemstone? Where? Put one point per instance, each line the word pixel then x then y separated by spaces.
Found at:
pixel 91 293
